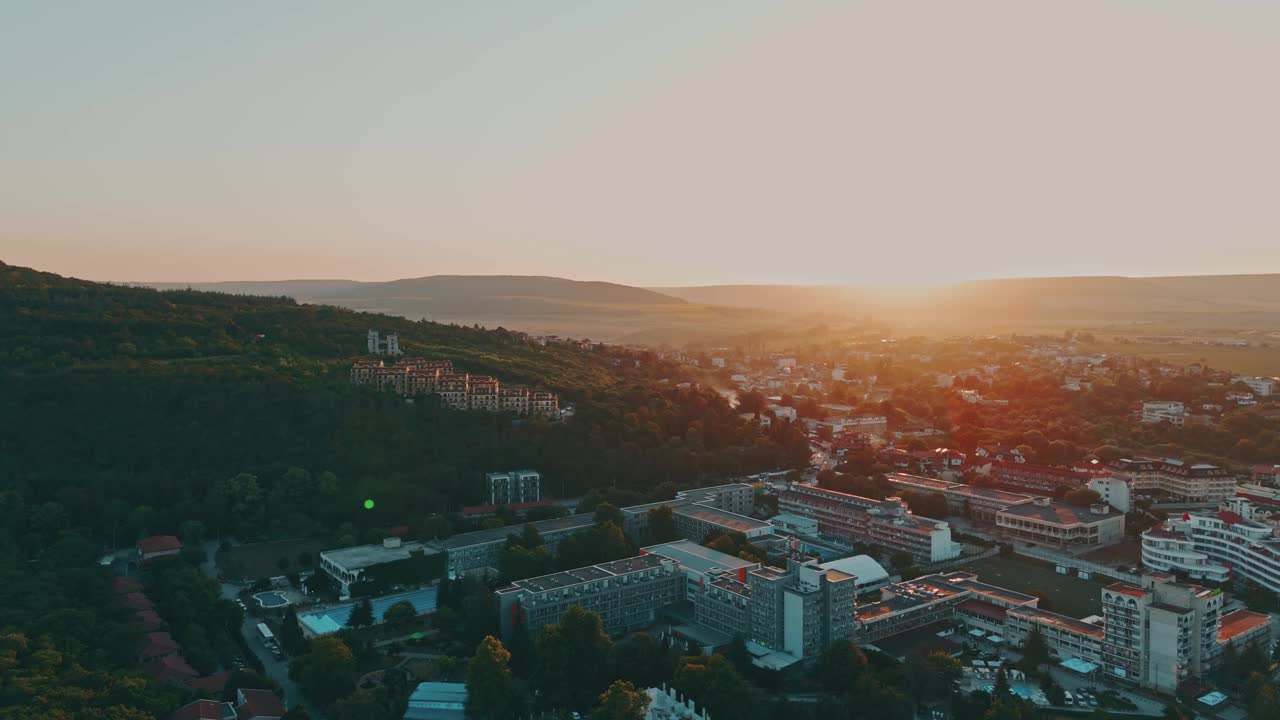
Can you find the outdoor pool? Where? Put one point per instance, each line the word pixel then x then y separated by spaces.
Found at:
pixel 331 620
pixel 1022 691
pixel 272 599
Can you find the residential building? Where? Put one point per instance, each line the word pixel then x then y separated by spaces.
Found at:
pixel 795 525
pixel 1066 636
pixel 383 345
pixel 1047 522
pixel 1159 633
pixel 157 546
pixel 416 376
pixel 665 704
pixel 736 499
pixel 1039 479
pixel 698 521
pixel 1114 491
pixel 626 594
pixel 1199 482
pixel 1003 453
pixel 1261 386
pixel 888 523
pixel 910 604
pixel 205 710
pixel 979 503
pixel 1240 628
pixel 437 701
pixel 479 551
pixel 1159 411
pixel 782 412
pixel 1216 546
pixel 348 565
pixel 1265 474
pixel 513 488
pixel 258 705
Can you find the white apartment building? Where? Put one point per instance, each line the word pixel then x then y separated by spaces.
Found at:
pixel 782 411
pixel 1159 411
pixel 1216 546
pixel 1261 386
pixel 887 523
pixel 513 488
pixel 1160 633
pixel 379 345
pixel 1198 482
pixel 1114 491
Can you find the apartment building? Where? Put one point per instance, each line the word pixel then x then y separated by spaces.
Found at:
pixel 1216 546
pixel 1159 411
pixel 888 523
pixel 1037 479
pixel 1198 482
pixel 382 345
pixel 735 499
pixel 626 594
pixel 1066 636
pixel 1159 633
pixel 1260 386
pixel 513 488
pixel 979 503
pixel 1114 491
pixel 480 551
pixel 415 376
pixel 1047 522
pixel 905 606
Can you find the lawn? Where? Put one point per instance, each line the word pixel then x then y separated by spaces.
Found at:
pixel 1066 594
pixel 261 560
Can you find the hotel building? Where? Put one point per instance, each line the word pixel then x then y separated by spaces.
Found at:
pixel 1057 524
pixel 1199 482
pixel 887 523
pixel 1216 546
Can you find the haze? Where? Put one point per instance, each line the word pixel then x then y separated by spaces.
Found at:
pixel 655 143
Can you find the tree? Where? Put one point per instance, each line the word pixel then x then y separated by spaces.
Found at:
pixel 662 525
pixel 642 661
pixel 291 638
pixel 402 611
pixel 361 614
pixel 326 672
pixel 738 655
pixel 621 701
pixel 840 666
pixel 572 659
pixel 1035 650
pixel 297 712
pixel 607 512
pixel 903 564
pixel 489 690
pixel 1001 689
pixel 1082 496
pixel 1266 706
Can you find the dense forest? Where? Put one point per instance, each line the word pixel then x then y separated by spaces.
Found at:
pixel 130 411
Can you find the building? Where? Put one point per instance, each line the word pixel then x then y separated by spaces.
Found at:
pixel 699 563
pixel 379 345
pixel 979 503
pixel 437 701
pixel 698 521
pixel 782 412
pixel 479 551
pixel 258 705
pixel 1114 491
pixel 665 704
pixel 1002 453
pixel 1198 482
pixel 1265 474
pixel 1066 636
pixel 416 376
pixel 1216 546
pixel 1260 386
pixel 905 606
pixel 1159 411
pixel 1039 479
pixel 887 523
pixel 513 488
pixel 1057 524
pixel 1240 628
pixel 205 710
pixel 735 499
pixel 349 565
pixel 627 594
pixel 157 546
pixel 868 574
pixel 795 525
pixel 1159 633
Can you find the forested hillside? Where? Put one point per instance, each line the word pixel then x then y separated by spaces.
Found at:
pixel 130 411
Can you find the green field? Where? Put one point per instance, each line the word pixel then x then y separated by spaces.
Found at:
pixel 261 560
pixel 1066 594
pixel 1244 360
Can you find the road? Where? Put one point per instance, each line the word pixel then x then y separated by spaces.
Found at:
pixel 277 670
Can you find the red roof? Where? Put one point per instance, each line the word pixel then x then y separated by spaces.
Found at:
pixel 171 667
pixel 1229 517
pixel 138 601
pixel 158 644
pixel 125 585
pixel 983 609
pixel 159 544
pixel 199 710
pixel 514 507
pixel 1238 622
pixel 213 683
pixel 258 704
pixel 149 619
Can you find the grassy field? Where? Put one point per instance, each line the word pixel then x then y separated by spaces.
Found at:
pixel 1065 594
pixel 260 560
pixel 1244 360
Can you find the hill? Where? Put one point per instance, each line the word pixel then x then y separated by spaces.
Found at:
pixel 543 305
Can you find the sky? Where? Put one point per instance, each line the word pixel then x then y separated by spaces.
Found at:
pixel 655 143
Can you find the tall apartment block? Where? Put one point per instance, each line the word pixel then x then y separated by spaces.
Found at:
pixel 379 345
pixel 1159 633
pixel 1188 482
pixel 512 488
pixel 886 523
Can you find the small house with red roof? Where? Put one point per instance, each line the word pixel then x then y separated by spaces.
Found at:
pixel 205 710
pixel 171 667
pixel 155 546
pixel 258 705
pixel 158 644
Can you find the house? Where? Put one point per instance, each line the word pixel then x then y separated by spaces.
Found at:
pixel 258 705
pixel 1266 474
pixel 205 710
pixel 1002 453
pixel 156 546
pixel 437 701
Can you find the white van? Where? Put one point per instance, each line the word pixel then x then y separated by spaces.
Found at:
pixel 1067 698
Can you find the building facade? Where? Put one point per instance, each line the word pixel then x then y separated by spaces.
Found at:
pixel 415 376
pixel 1216 546
pixel 382 345
pixel 1189 482
pixel 888 523
pixel 1048 522
pixel 1160 411
pixel 1160 633
pixel 513 488
pixel 979 503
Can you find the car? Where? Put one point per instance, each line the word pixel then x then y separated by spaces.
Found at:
pixel 1093 701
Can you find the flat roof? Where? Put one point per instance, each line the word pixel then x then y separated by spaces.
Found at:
pixel 577 576
pixel 695 557
pixel 362 556
pixel 862 567
pixel 724 518
pixel 1062 622
pixel 1061 513
pixel 481 537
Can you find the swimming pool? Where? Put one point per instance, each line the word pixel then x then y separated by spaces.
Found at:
pixel 333 619
pixel 1022 691
pixel 271 599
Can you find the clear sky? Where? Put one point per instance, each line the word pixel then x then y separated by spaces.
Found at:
pixel 661 142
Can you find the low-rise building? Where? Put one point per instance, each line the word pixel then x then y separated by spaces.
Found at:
pixel 1239 629
pixel 1039 479
pixel 888 523
pixel 1159 411
pixel 348 565
pixel 1057 524
pixel 626 594
pixel 1066 637
pixel 158 546
pixel 437 701
pixel 979 503
pixel 480 551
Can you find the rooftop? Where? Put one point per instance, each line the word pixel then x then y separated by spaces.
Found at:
pixel 481 537
pixel 578 576
pixel 1061 513
pixel 362 556
pixel 1063 622
pixel 695 557
pixel 862 567
pixel 723 518
pixel 1239 622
